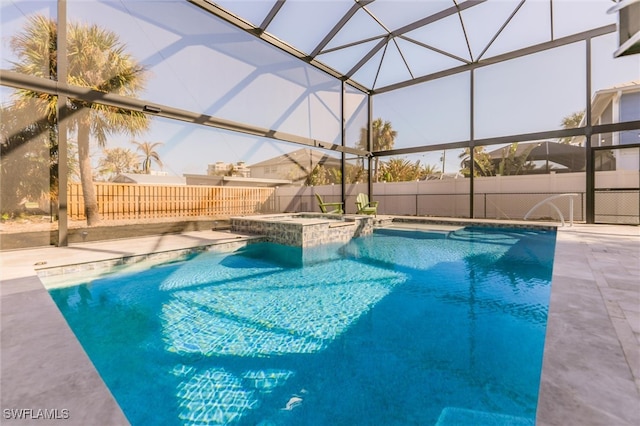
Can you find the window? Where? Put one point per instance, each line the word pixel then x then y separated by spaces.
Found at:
pixel 630 111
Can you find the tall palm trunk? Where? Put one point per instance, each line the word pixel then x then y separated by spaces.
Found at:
pixel 97 60
pixel 86 173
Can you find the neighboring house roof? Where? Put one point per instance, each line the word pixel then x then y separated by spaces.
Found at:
pixel 233 181
pixel 444 176
pixel 302 157
pixel 601 98
pixel 570 156
pixel 144 179
pixel 247 181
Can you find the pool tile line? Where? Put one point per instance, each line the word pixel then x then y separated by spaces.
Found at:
pixel 68 275
pixel 487 223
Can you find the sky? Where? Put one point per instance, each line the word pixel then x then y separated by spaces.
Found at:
pixel 272 90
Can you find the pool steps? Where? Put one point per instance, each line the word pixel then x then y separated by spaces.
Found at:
pixel 451 416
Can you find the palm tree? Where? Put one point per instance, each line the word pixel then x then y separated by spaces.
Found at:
pixel 571 121
pixel 96 59
pixel 149 154
pixel 383 139
pixel 428 170
pixel 354 173
pixel 512 164
pixel 116 161
pixel 400 170
pixel 318 176
pixel 483 165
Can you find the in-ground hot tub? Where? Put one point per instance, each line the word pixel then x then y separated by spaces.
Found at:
pixel 304 229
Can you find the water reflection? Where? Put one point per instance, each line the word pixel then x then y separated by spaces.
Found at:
pixel 248 340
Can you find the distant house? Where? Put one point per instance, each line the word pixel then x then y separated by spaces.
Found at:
pixel 151 179
pixel 221 168
pixel 294 166
pixel 615 105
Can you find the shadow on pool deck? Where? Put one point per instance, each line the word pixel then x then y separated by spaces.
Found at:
pixel 591 368
pixel 114 231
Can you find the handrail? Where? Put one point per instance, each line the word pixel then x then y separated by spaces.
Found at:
pixel 548 201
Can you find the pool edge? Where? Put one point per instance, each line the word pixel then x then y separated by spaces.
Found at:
pixel 575 383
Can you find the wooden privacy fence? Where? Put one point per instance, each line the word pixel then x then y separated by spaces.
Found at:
pixel 134 201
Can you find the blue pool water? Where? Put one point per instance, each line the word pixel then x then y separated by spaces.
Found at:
pixel 397 328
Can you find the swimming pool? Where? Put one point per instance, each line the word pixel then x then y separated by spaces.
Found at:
pixel 395 328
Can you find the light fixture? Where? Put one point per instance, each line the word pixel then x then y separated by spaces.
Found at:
pixel 152 109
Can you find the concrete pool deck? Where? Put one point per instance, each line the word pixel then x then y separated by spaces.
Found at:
pixel 591 368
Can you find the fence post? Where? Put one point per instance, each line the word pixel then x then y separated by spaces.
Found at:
pixel 485 205
pixel 570 211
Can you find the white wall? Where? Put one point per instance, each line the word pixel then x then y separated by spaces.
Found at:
pixel 501 197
